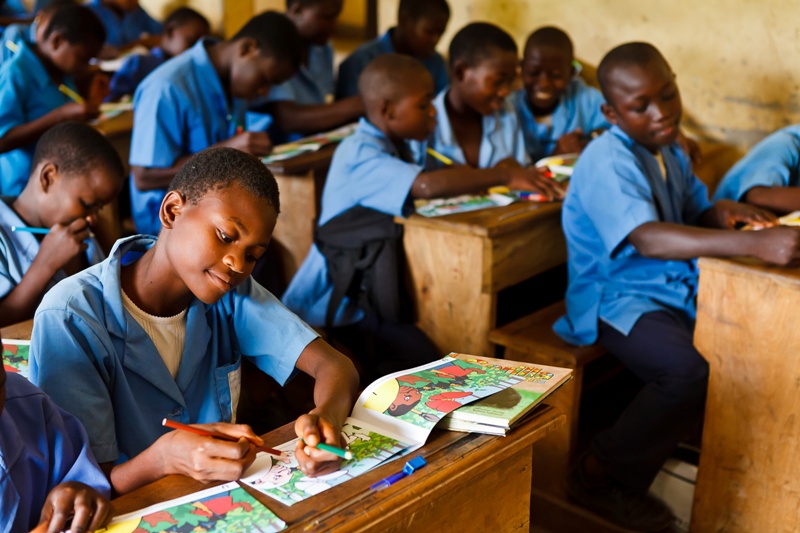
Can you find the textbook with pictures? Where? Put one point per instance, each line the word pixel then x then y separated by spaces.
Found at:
pixel 392 417
pixel 309 144
pixel 15 357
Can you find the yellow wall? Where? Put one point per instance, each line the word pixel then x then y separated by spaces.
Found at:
pixel 737 61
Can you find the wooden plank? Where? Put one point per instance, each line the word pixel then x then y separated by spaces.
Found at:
pixel 295 228
pixel 20 331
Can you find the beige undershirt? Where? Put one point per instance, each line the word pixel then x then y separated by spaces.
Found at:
pixel 167 333
pixel 661 166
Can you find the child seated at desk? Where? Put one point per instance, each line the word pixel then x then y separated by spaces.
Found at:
pixel 769 175
pixel 159 330
pixel 126 24
pixel 76 171
pixel 17 33
pixel 37 90
pixel 635 218
pixel 199 99
pixel 304 104
pixel 49 474
pixel 557 111
pixel 420 25
pixel 182 29
pixel 373 178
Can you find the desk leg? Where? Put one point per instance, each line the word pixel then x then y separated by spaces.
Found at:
pixel 446 271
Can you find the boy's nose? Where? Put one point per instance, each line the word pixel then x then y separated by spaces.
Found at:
pixel 232 262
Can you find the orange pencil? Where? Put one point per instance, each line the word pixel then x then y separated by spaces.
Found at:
pixel 206 433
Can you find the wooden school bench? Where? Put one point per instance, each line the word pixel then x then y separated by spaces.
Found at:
pixel 471 482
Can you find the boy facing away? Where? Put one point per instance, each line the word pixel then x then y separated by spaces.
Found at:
pixel 160 328
pixel 198 100
pixel 420 25
pixel 557 111
pixel 76 172
pixel 375 176
pixel 635 218
pixel 35 88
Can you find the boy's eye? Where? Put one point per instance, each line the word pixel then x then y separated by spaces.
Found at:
pixel 250 258
pixel 224 236
pixel 670 95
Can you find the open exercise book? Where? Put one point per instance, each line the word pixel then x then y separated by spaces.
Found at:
pixel 15 357
pixel 309 144
pixel 392 417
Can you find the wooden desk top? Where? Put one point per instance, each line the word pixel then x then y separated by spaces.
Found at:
pixel 490 222
pixel 21 331
pixel 453 458
pixel 751 267
pixel 121 124
pixel 304 163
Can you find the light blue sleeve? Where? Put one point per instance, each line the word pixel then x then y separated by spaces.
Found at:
pixel 282 92
pixel 158 138
pixel 695 199
pixel 124 82
pixel 12 98
pixel 379 180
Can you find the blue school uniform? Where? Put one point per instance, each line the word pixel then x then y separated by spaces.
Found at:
pixel 579 107
pixel 351 68
pixel 12 36
pixel 13 8
pixel 26 93
pixel 92 357
pixel 18 249
pixel 133 71
pixel 502 136
pixel 180 109
pixel 616 187
pixel 773 162
pixel 366 170
pixel 122 31
pixel 41 445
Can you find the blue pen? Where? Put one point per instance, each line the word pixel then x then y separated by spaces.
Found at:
pixel 412 466
pixel 38 231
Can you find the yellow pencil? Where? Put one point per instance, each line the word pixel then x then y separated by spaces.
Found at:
pixel 72 94
pixel 443 158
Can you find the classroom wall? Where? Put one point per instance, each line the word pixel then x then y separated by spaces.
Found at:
pixel 736 60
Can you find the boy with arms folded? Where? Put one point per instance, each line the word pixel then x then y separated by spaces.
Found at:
pixel 636 218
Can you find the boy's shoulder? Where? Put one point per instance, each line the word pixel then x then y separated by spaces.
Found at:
pixel 20 389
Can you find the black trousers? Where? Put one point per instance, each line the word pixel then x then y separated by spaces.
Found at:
pixel 660 352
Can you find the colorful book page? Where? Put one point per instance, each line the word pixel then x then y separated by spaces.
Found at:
pixel 281 478
pixel 15 357
pixel 560 166
pixel 227 508
pixel 309 144
pixel 461 204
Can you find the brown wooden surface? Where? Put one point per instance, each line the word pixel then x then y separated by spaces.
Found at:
pixel 471 483
pixel 458 264
pixel 749 475
pixel 304 163
pixel 21 331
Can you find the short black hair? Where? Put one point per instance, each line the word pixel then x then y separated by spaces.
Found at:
pixel 219 168
pixel 184 15
pixel 389 76
pixel 77 23
pixel 419 9
pixel 638 54
pixel 76 149
pixel 552 37
pixel 303 3
pixel 276 36
pixel 477 41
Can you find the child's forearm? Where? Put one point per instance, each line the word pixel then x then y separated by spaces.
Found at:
pixel 663 240
pixel 21 302
pixel 29 132
pixel 149 178
pixel 780 200
pixel 336 380
pixel 136 472
pixel 455 180
pixel 307 119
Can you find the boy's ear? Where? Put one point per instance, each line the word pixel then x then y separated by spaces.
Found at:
pixel 246 46
pixel 171 208
pixel 609 112
pixel 459 69
pixel 387 109
pixel 48 175
pixel 55 40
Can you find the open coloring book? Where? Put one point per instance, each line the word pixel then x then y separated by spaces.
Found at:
pixel 392 417
pixel 15 357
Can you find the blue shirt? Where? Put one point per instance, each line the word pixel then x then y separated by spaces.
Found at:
pixel 501 139
pixel 41 445
pixel 616 187
pixel 12 36
pixel 26 93
pixel 18 249
pixel 579 107
pixel 127 29
pixel 366 170
pixel 92 357
pixel 13 8
pixel 133 71
pixel 773 162
pixel 180 109
pixel 351 68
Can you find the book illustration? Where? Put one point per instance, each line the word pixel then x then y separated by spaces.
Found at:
pixel 281 478
pixel 227 508
pixel 15 357
pixel 309 144
pixel 460 204
pixel 560 166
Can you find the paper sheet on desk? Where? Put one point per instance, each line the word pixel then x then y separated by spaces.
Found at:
pixel 309 144
pixel 460 204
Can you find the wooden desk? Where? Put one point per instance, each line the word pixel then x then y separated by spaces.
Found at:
pixel 471 483
pixel 749 475
pixel 20 331
pixel 459 263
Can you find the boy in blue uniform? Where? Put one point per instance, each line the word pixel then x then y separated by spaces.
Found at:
pixel 635 218
pixel 182 29
pixel 199 99
pixel 47 471
pixel 30 99
pixel 160 328
pixel 375 170
pixel 420 25
pixel 126 24
pixel 769 175
pixel 76 172
pixel 17 33
pixel 304 104
pixel 557 111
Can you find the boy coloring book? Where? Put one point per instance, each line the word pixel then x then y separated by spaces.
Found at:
pixel 392 417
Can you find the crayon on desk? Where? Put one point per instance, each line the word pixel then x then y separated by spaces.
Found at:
pixel 207 433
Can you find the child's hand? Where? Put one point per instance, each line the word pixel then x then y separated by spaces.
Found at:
pixel 779 245
pixel 209 459
pixel 255 143
pixel 79 112
pixel 572 142
pixel 314 429
pixel 88 509
pixel 534 179
pixel 99 88
pixel 63 243
pixel 729 213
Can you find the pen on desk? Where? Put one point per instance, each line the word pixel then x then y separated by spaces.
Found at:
pixel 71 94
pixel 208 433
pixel 443 158
pixel 335 450
pixel 410 467
pixel 28 229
